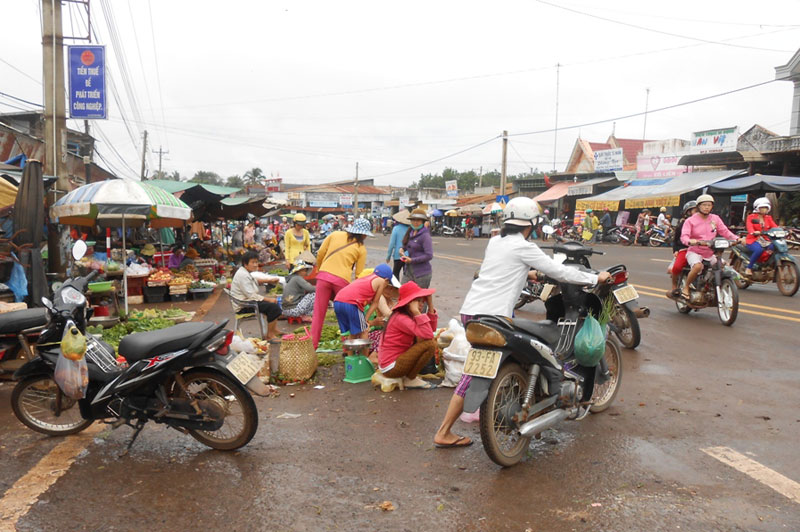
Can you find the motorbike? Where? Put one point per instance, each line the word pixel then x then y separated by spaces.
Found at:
pixel 530 293
pixel 183 376
pixel 525 378
pixel 454 231
pixel 316 242
pixel 627 233
pixel 714 287
pixel 773 266
pixel 658 237
pixel 793 238
pixel 19 332
pixel 386 230
pixel 626 310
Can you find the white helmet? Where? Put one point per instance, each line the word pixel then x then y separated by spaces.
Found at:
pixel 520 211
pixel 762 202
pixel 702 198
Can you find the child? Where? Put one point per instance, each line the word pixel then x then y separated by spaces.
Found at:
pixel 350 301
pixel 407 343
pixel 298 294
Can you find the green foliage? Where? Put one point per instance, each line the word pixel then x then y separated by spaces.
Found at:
pixel 234 181
pixel 789 203
pixel 469 180
pixel 207 178
pixel 253 176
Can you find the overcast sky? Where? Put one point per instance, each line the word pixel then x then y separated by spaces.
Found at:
pixel 305 89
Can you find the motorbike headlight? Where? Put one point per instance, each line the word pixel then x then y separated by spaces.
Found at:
pixel 480 334
pixel 778 234
pixel 721 244
pixel 72 296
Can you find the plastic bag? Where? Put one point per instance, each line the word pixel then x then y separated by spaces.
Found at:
pixel 72 376
pixel 73 344
pixel 590 343
pixel 455 354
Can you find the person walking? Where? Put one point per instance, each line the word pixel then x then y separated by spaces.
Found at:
pixel 417 251
pixel 297 239
pixel 340 254
pixel 396 241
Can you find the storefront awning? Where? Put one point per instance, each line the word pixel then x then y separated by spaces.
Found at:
pixel 758 183
pixel 557 191
pixel 587 187
pixel 660 192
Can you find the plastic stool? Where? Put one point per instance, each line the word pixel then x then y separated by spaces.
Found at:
pixel 292 320
pixel 357 368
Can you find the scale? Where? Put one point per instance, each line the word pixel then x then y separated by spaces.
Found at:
pixel 357 367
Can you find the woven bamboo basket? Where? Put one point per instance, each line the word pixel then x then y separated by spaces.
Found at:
pixel 298 360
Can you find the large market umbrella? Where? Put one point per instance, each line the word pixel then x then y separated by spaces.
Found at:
pixel 436 212
pixel 472 208
pixel 28 220
pixel 451 212
pixel 494 208
pixel 119 202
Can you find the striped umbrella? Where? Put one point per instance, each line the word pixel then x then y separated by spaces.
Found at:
pixel 107 203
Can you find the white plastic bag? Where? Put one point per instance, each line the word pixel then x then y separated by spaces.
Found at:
pixel 72 376
pixel 242 345
pixel 455 354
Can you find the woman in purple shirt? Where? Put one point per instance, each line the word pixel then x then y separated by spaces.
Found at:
pixel 417 251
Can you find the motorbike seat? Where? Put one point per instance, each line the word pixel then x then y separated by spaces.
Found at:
pixel 545 329
pixel 139 346
pixel 19 320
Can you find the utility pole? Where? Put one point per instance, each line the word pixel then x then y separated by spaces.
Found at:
pixel 555 131
pixel 646 103
pixel 503 167
pixel 480 177
pixel 144 153
pixel 160 153
pixel 355 195
pixel 55 120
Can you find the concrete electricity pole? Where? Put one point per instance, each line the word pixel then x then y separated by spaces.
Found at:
pixel 55 120
pixel 144 154
pixel 503 167
pixel 355 195
pixel 160 153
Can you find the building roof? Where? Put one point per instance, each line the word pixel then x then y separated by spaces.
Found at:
pixel 630 148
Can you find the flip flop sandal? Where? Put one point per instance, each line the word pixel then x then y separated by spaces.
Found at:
pixel 426 386
pixel 460 442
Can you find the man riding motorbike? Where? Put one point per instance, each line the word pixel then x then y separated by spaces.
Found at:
pixel 758 223
pixel 679 249
pixel 702 227
pixel 505 269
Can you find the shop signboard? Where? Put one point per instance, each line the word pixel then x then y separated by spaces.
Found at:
pixel 653 202
pixel 404 201
pixel 451 187
pixel 274 184
pixel 346 200
pixel 87 82
pixel 739 198
pixel 608 160
pixel 715 140
pixel 659 165
pixel 325 204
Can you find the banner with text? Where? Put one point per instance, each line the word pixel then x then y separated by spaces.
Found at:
pixel 346 200
pixel 608 160
pixel 87 82
pixel 660 165
pixel 452 188
pixel 715 140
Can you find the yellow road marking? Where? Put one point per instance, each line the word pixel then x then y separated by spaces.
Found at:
pixel 741 310
pixel 26 491
pixel 769 477
pixel 762 307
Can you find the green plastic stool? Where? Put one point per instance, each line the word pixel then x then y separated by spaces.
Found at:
pixel 357 368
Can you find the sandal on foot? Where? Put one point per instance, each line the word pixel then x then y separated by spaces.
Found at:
pixel 462 441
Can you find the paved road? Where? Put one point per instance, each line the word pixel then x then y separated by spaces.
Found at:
pixel 702 437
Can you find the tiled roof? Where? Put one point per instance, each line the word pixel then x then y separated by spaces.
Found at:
pixel 630 148
pixel 597 146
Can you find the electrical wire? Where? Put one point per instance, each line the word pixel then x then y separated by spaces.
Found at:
pixel 633 115
pixel 20 71
pixel 141 61
pixel 158 73
pixel 20 99
pixel 521 158
pixel 661 32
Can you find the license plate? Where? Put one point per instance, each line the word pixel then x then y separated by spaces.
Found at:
pixel 245 366
pixel 482 363
pixel 625 294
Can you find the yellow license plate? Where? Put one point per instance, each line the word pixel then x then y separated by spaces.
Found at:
pixel 625 294
pixel 482 363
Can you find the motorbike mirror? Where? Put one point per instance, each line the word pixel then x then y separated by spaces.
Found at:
pixel 47 303
pixel 548 229
pixel 78 250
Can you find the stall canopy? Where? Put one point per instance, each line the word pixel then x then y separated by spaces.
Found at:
pixel 199 196
pixel 556 192
pixel 236 208
pixel 587 187
pixel 758 183
pixel 658 192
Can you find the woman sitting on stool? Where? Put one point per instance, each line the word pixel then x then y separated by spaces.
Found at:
pixel 244 287
pixel 298 294
pixel 408 343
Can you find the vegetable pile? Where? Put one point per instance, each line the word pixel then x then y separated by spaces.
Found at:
pixel 121 330
pixel 152 313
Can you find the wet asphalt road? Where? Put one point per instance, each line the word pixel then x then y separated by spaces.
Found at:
pixel 693 384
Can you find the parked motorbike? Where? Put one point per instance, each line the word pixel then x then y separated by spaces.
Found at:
pixel 19 332
pixel 525 378
pixel 627 233
pixel 714 287
pixel 658 237
pixel 530 293
pixel 316 242
pixel 182 376
pixel 778 266
pixel 626 312
pixel 454 231
pixel 793 238
pixel 612 236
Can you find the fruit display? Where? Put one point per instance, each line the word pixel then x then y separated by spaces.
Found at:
pixel 208 275
pixel 160 276
pixel 180 279
pixel 202 285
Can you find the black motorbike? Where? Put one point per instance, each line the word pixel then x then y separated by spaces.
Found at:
pixel 713 287
pixel 525 378
pixel 182 376
pixel 19 332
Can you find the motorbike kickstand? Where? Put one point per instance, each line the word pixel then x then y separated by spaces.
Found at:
pixel 582 415
pixel 136 430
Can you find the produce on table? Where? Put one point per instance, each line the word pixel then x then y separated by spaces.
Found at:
pixel 181 279
pixel 113 266
pixel 152 313
pixel 279 272
pixel 161 275
pixel 202 285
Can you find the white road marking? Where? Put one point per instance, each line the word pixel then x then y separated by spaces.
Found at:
pixel 26 491
pixel 464 245
pixel 783 485
pixel 661 260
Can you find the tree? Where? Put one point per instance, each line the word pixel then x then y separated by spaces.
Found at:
pixel 468 180
pixel 235 181
pixel 253 176
pixel 174 176
pixel 207 178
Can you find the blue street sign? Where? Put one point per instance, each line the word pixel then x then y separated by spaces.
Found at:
pixel 87 82
pixel 740 198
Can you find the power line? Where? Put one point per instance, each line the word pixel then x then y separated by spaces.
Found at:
pixel 21 72
pixel 20 99
pixel 644 28
pixel 632 115
pixel 158 72
pixel 521 158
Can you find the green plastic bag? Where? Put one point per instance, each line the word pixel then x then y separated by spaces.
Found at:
pixel 590 343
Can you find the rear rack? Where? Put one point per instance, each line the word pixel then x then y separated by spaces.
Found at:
pixel 566 339
pixel 100 356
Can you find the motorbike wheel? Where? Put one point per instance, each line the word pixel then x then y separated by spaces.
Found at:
pixel 628 240
pixel 654 243
pixel 521 302
pixel 788 278
pixel 33 401
pixel 728 308
pixel 683 308
pixel 629 333
pixel 500 436
pixel 741 282
pixel 241 418
pixel 604 394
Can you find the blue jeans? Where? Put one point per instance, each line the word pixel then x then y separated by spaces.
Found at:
pixel 755 252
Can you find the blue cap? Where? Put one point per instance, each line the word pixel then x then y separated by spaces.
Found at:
pixel 385 272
